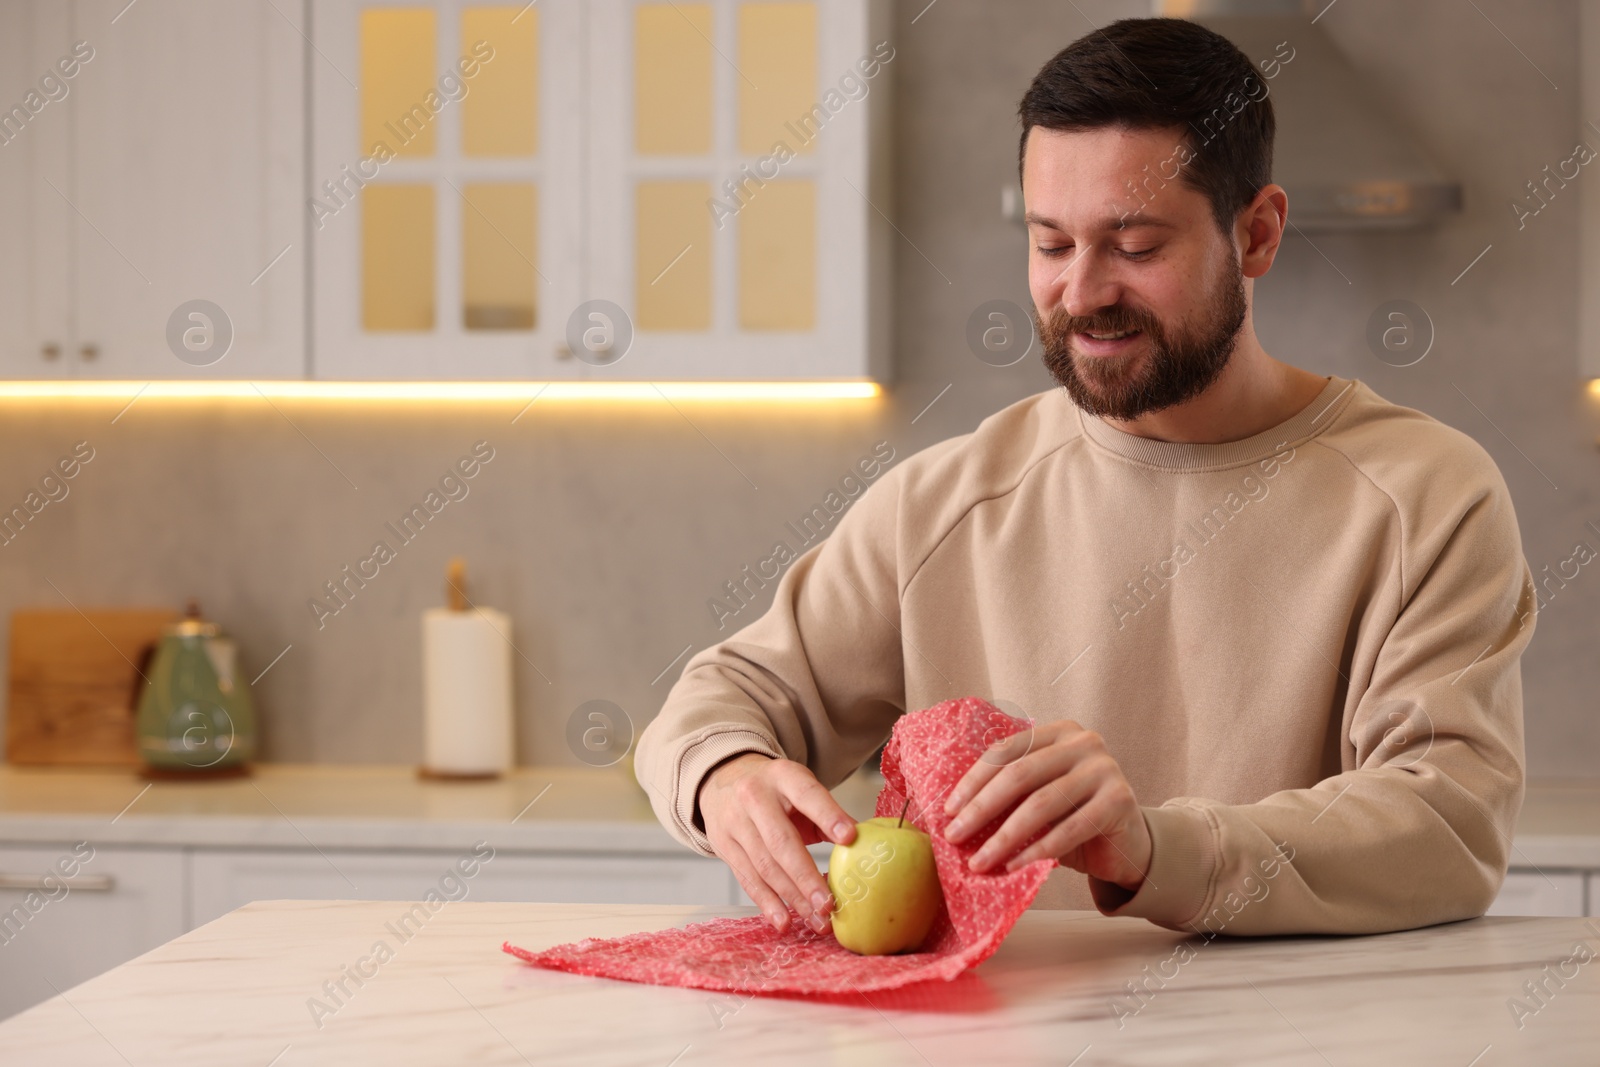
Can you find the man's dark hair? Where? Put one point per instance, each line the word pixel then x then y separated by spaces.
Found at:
pixel 1159 73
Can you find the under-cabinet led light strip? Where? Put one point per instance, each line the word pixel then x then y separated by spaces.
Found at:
pixel 508 391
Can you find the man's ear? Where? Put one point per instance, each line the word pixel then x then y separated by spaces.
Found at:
pixel 1260 229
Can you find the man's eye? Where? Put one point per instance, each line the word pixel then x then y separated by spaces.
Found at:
pixel 1056 251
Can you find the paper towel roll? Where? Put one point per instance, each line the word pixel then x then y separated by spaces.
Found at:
pixel 466 691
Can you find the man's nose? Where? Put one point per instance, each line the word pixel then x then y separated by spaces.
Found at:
pixel 1087 286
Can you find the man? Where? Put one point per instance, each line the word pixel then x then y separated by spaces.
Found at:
pixel 1268 624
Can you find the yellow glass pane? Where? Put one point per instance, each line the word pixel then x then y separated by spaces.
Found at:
pixel 499 238
pixel 397 74
pixel 672 255
pixel 397 257
pixel 778 258
pixel 778 63
pixel 500 111
pixel 672 79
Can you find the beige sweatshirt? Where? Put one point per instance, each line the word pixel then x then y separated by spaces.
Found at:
pixel 1303 648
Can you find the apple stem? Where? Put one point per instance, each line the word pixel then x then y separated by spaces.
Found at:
pixel 903 814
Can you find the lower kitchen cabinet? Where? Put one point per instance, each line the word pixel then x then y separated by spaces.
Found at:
pixel 226 879
pixel 1546 893
pixel 69 913
pixel 117 903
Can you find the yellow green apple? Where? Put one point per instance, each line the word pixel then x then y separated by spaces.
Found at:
pixel 885 888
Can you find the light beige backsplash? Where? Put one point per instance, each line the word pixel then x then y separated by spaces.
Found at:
pixel 604 530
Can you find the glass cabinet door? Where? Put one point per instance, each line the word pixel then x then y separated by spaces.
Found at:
pixel 730 213
pixel 483 172
pixel 443 215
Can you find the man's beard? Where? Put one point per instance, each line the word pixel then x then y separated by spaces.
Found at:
pixel 1177 368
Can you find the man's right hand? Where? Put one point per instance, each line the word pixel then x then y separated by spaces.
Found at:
pixel 760 814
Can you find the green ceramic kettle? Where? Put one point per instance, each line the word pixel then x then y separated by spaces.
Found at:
pixel 195 715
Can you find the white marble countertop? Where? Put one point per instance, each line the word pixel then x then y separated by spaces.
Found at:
pixel 238 991
pixel 540 809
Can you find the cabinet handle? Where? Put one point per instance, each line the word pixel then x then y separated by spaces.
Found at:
pixel 89 351
pixel 50 350
pixel 88 883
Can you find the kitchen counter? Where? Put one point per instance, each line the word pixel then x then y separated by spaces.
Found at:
pixel 566 809
pixel 573 809
pixel 239 990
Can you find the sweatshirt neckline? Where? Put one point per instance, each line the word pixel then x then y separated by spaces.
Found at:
pixel 1310 421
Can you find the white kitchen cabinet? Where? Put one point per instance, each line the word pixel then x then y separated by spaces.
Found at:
pixel 631 160
pixel 734 222
pixel 738 203
pixel 225 879
pixel 445 182
pixel 1546 893
pixel 35 152
pixel 57 932
pixel 170 170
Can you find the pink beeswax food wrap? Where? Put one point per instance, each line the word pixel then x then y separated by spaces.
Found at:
pixel 927 754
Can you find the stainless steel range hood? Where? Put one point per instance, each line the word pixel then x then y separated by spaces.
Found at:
pixel 1344 162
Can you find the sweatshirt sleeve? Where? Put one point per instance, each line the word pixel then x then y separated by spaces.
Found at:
pixel 1417 829
pixel 817 679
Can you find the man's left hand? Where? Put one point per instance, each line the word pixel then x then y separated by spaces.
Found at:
pixel 1067 783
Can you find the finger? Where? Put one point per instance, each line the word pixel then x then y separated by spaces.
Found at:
pixel 811 799
pixel 1040 810
pixel 809 834
pixel 770 869
pixel 772 849
pixel 977 776
pixel 1015 780
pixel 1068 795
pixel 757 890
pixel 1007 786
pixel 1070 833
pixel 1000 751
pixel 786 865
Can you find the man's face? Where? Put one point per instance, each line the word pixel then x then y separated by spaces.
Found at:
pixel 1108 259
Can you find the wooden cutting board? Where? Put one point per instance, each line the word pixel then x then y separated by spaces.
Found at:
pixel 74 684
